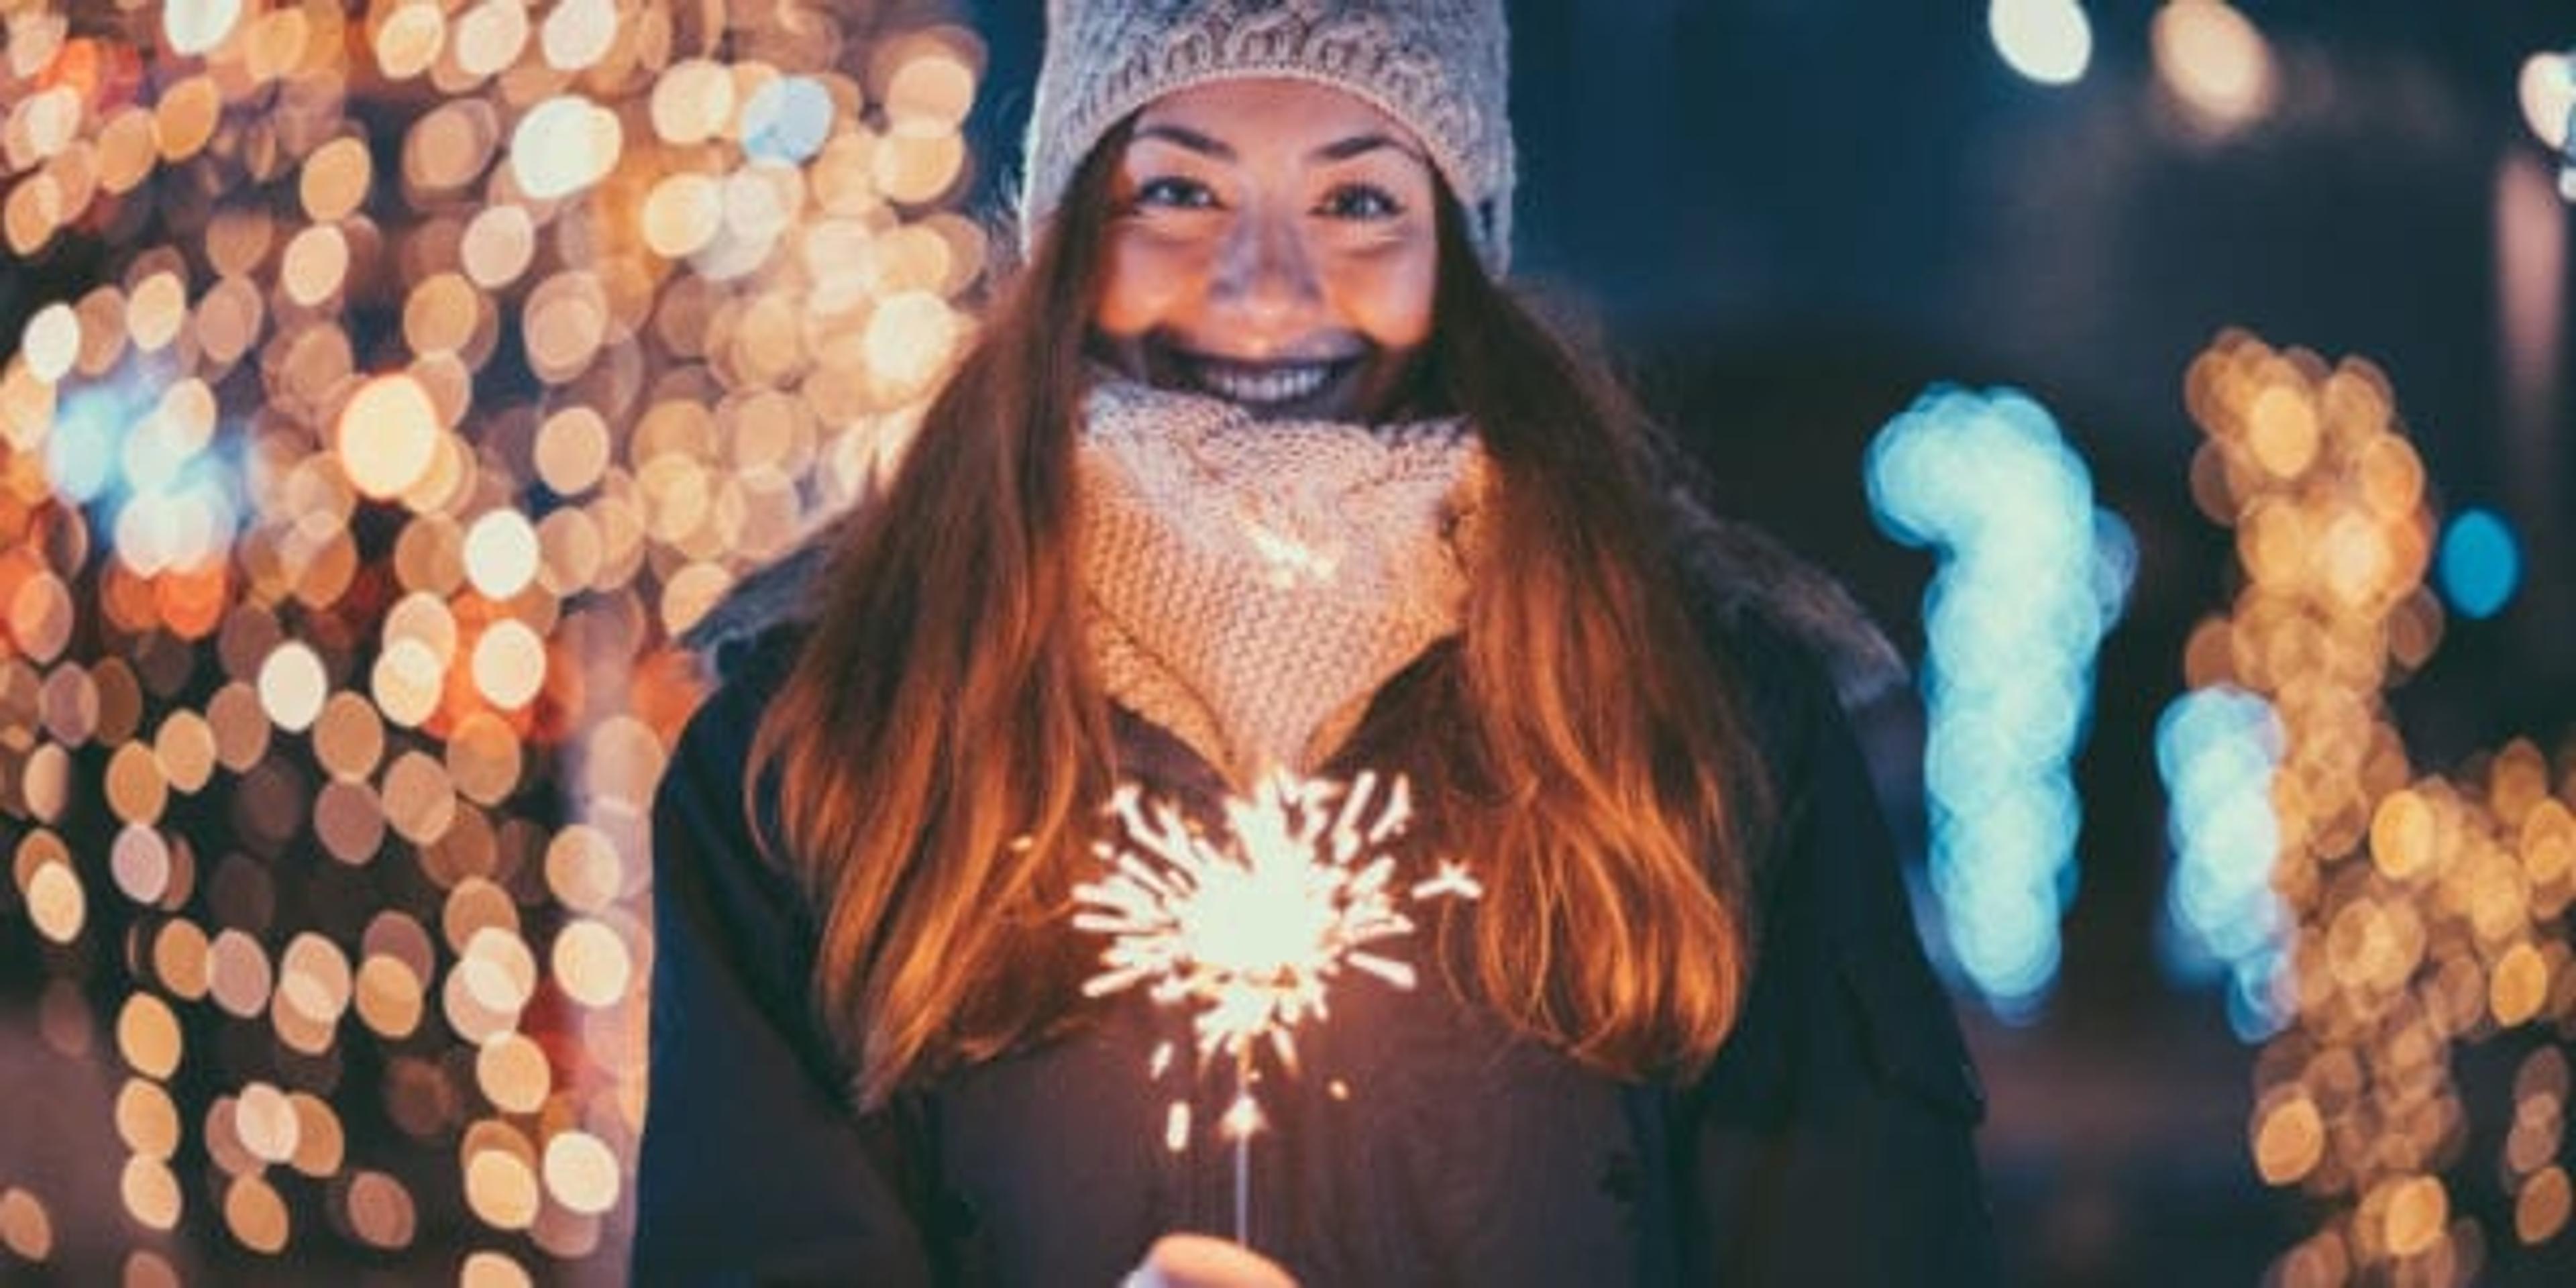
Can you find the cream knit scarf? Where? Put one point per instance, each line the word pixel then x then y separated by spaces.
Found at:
pixel 1253 583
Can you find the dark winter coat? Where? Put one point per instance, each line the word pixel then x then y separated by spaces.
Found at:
pixel 1421 1142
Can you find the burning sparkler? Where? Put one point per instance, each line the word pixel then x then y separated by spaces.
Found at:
pixel 1252 928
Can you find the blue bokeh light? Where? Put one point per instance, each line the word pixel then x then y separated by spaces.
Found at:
pixel 787 120
pixel 84 454
pixel 2216 749
pixel 166 500
pixel 2031 576
pixel 2481 563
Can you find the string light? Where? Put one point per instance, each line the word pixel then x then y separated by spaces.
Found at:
pixel 2415 912
pixel 445 359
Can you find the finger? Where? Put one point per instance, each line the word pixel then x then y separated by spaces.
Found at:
pixel 1197 1261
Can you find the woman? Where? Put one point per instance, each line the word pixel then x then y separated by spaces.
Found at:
pixel 1255 467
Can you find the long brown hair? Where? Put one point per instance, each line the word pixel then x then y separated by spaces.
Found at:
pixel 941 747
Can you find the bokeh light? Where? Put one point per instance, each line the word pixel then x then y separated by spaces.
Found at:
pixel 196 27
pixel 2547 91
pixel 26 1228
pixel 2214 63
pixel 564 145
pixel 2031 577
pixel 787 119
pixel 387 436
pixel 2047 41
pixel 2414 912
pixel 440 361
pixel 2480 564
pixel 2216 749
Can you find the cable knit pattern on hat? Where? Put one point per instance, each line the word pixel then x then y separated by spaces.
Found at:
pixel 1441 68
pixel 1253 583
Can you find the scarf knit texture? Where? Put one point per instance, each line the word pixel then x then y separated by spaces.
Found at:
pixel 1251 584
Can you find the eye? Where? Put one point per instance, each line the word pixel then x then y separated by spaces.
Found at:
pixel 1175 192
pixel 1360 201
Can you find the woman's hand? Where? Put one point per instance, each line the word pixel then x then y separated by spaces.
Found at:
pixel 1197 1261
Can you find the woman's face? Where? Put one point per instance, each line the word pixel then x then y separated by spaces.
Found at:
pixel 1270 242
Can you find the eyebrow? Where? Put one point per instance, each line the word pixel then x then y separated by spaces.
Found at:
pixel 1186 138
pixel 1341 150
pixel 1361 144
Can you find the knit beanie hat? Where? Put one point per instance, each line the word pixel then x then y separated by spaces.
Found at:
pixel 1439 67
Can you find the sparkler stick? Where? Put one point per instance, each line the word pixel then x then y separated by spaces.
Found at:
pixel 1251 928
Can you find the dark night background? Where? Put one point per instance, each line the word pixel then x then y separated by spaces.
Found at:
pixel 1789 216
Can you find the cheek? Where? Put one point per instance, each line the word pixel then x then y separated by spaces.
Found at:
pixel 1388 297
pixel 1144 282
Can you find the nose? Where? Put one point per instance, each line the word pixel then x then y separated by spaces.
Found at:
pixel 1265 288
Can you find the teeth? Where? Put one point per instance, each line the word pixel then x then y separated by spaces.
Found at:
pixel 1280 384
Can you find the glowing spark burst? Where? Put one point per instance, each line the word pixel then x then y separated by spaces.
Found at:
pixel 1452 879
pixel 1254 932
pixel 1252 928
pixel 1242 1118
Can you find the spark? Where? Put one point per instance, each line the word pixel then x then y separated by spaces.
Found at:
pixel 1452 879
pixel 1243 1117
pixel 1252 929
pixel 1253 932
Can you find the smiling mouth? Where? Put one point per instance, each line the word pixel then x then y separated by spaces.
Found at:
pixel 1261 385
